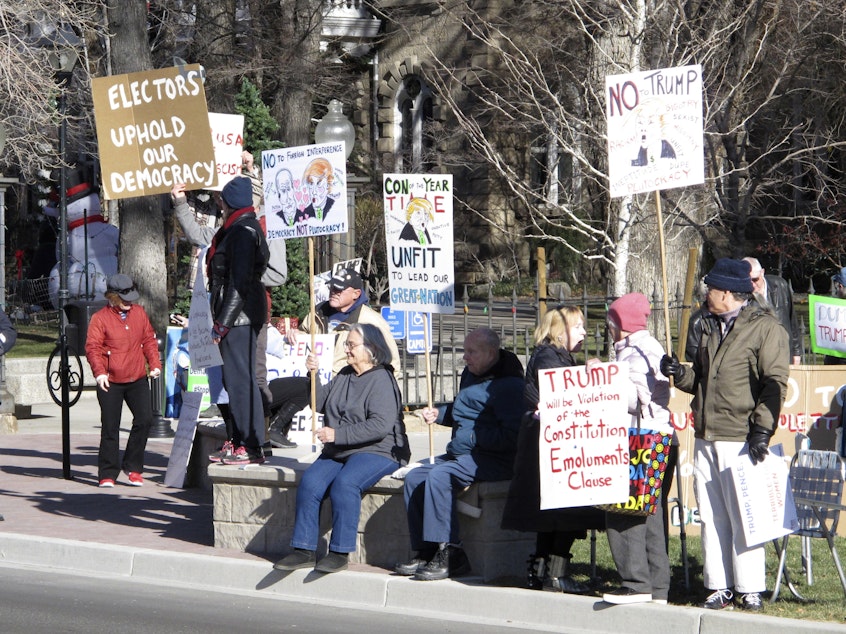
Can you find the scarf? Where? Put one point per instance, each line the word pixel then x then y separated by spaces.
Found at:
pixel 73 224
pixel 235 215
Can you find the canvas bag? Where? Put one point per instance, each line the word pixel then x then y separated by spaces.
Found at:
pixel 649 451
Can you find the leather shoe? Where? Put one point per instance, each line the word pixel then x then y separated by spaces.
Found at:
pixel 300 558
pixel 333 562
pixel 449 561
pixel 417 563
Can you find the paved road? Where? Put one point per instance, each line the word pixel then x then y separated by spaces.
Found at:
pixel 36 600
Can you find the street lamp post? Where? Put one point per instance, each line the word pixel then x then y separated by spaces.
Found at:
pixel 7 400
pixel 63 59
pixel 333 128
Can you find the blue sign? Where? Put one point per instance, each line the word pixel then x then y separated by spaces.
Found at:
pixel 415 342
pixel 396 321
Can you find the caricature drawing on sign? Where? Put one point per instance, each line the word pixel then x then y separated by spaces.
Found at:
pixel 650 120
pixel 318 177
pixel 420 215
pixel 285 192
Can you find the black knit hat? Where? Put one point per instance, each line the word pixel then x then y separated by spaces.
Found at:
pixel 730 275
pixel 238 193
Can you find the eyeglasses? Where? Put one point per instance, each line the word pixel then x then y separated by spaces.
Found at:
pixel 351 346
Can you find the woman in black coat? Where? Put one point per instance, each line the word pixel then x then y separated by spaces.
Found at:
pixel 560 333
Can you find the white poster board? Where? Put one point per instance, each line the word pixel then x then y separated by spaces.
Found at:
pixel 180 453
pixel 827 316
pixel 227 132
pixel 321 280
pixel 764 497
pixel 584 437
pixel 655 130
pixel 292 361
pixel 419 238
pixel 305 191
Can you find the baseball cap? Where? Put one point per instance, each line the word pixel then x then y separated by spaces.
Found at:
pixel 345 278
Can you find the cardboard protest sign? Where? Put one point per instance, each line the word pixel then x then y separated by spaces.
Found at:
pixel 419 237
pixel 584 437
pixel 180 453
pixel 764 498
pixel 153 132
pixel 655 128
pixel 202 349
pixel 228 137
pixel 827 316
pixel 305 191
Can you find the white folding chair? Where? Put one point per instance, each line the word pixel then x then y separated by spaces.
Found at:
pixel 816 479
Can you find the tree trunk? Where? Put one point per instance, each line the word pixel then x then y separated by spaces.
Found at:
pixel 142 244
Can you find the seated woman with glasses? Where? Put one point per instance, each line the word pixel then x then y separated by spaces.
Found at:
pixel 363 440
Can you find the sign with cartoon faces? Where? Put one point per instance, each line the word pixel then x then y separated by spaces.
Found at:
pixel 305 191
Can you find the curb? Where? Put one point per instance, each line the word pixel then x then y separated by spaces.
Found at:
pixel 465 600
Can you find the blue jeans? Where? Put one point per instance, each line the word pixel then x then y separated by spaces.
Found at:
pixel 430 495
pixel 345 481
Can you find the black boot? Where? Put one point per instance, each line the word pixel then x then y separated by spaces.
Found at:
pixel 417 563
pixel 536 572
pixel 557 578
pixel 280 423
pixel 449 561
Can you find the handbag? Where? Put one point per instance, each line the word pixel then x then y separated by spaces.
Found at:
pixel 649 450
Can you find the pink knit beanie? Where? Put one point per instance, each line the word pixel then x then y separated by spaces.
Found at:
pixel 630 312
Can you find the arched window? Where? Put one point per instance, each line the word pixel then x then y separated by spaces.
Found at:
pixel 413 134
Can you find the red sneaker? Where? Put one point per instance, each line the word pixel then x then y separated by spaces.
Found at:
pixel 106 483
pixel 135 479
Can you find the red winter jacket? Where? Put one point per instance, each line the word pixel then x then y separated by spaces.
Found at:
pixel 121 349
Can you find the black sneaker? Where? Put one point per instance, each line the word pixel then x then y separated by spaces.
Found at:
pixel 333 562
pixel 223 453
pixel 300 558
pixel 719 600
pixel 417 563
pixel 449 561
pixel 751 601
pixel 240 455
pixel 626 595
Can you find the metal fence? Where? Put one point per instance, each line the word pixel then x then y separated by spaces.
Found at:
pixel 515 321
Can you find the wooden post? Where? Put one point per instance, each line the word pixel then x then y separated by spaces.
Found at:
pixel 541 260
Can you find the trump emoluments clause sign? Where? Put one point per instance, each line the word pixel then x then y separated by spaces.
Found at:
pixel 584 439
pixel 418 233
pixel 153 132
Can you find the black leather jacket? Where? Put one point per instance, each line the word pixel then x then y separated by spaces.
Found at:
pixel 239 259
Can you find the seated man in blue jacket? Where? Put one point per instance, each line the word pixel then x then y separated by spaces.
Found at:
pixel 485 420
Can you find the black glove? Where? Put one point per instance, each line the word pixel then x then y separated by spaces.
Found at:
pixel 758 440
pixel 670 366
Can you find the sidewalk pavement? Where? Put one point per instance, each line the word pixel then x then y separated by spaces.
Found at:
pixel 165 535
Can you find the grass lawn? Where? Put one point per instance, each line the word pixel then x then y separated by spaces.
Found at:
pixel 826 599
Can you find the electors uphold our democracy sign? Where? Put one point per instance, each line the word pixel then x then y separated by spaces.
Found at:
pixel 584 435
pixel 153 132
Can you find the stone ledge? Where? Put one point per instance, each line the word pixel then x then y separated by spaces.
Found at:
pixel 254 511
